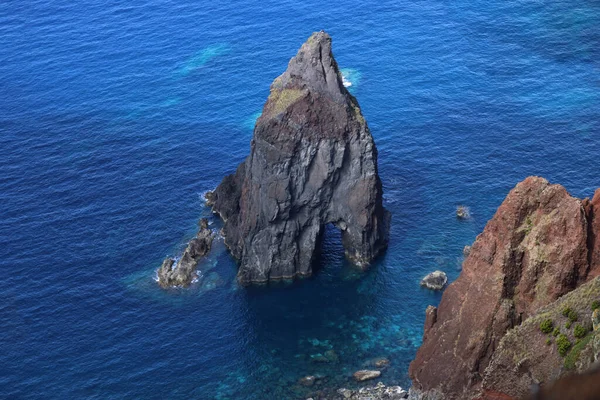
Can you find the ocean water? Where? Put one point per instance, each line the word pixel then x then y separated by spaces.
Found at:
pixel 115 118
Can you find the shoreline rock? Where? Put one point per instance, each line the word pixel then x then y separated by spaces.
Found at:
pixel 377 392
pixel 184 272
pixel 312 162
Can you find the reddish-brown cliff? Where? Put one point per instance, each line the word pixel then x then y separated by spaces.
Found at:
pixel 540 245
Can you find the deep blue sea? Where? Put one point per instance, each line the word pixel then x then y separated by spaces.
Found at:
pixel 116 117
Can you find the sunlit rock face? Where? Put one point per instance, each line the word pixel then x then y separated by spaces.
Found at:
pixel 312 162
pixel 541 244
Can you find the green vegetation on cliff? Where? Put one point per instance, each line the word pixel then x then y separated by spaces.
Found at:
pixel 563 344
pixel 547 326
pixel 573 356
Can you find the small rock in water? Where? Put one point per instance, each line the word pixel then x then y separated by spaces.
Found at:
pixel 365 375
pixel 435 280
pixel 462 212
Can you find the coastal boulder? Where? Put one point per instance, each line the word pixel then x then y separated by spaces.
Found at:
pixel 312 162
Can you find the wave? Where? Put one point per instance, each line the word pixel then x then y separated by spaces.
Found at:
pixel 350 78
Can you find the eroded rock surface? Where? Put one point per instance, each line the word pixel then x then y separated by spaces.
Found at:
pixel 312 162
pixel 540 245
pixel 184 272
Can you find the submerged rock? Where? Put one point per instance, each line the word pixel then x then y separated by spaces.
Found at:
pixel 382 362
pixel 307 381
pixel 319 358
pixel 435 280
pixel 312 162
pixel 332 356
pixel 185 271
pixel 541 244
pixel 365 375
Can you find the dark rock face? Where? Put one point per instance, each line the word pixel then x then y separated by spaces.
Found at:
pixel 312 162
pixel 540 245
pixel 185 271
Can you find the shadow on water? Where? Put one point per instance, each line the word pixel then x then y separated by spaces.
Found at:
pixel 323 326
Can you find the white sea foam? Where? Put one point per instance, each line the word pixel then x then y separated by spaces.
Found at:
pixel 350 77
pixel 202 195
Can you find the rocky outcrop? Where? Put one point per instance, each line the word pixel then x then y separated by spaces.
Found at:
pixel 312 162
pixel 540 245
pixel 435 280
pixel 185 271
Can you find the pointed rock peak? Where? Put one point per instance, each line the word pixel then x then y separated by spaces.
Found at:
pixel 314 69
pixel 312 162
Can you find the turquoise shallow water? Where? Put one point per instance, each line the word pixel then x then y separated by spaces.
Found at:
pixel 116 117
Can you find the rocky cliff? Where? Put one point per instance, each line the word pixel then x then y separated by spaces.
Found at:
pixel 312 162
pixel 541 244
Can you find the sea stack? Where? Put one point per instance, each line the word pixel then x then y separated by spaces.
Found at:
pixel 537 256
pixel 312 162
